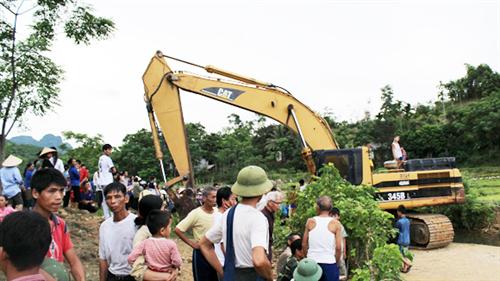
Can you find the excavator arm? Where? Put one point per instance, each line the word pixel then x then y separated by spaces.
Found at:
pixel 162 86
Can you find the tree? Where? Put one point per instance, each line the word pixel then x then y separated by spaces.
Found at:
pixel 28 77
pixel 479 82
pixel 137 155
pixel 271 140
pixel 88 151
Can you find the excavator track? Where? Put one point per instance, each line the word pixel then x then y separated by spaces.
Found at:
pixel 430 231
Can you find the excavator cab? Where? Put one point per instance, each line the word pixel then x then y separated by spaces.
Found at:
pixel 349 162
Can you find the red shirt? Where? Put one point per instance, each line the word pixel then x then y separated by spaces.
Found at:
pixel 61 241
pixel 84 174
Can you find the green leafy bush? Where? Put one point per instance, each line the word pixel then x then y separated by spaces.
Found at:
pixel 474 214
pixel 369 227
pixel 384 265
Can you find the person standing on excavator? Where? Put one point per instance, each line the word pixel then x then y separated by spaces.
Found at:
pixel 396 151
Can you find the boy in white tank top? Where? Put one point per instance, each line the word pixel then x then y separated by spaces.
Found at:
pixel 323 239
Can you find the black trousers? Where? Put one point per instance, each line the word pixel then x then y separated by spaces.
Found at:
pixel 76 193
pixel 202 270
pixel 112 277
pixel 99 196
pixel 16 200
pixel 66 198
pixel 88 207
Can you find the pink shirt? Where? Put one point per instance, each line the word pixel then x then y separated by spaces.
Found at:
pixel 5 211
pixel 34 277
pixel 160 254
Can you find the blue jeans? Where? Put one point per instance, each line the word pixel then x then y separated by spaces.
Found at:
pixel 330 272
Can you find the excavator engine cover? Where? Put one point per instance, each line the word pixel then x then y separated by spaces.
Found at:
pixel 430 164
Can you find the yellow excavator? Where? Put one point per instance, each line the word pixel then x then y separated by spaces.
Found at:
pixel 423 182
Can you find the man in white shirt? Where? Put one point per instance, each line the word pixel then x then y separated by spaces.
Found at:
pixel 106 171
pixel 246 248
pixel 116 236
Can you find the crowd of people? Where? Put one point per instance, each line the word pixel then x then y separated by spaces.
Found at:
pixel 232 227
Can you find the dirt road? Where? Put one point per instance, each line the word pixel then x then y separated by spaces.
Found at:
pixel 457 262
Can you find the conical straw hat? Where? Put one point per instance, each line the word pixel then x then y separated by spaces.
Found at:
pixel 46 150
pixel 12 161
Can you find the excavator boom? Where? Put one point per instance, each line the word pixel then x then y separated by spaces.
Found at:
pixel 425 182
pixel 162 86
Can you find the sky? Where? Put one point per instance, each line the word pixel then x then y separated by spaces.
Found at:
pixel 334 56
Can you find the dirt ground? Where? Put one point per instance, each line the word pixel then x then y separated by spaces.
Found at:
pixel 456 262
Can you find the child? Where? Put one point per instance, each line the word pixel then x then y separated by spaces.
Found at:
pixel 403 225
pixel 47 187
pixel 160 253
pixel 286 273
pixel 21 252
pixel 4 209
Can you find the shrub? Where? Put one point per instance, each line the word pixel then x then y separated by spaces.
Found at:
pixel 369 227
pixel 472 215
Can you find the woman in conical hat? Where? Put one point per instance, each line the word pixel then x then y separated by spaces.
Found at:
pixel 12 181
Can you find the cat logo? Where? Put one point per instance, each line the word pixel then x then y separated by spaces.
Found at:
pixel 227 93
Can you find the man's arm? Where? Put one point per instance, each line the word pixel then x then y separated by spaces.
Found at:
pixel 208 251
pixel 345 248
pixel 185 225
pixel 161 276
pixel 305 239
pixel 103 270
pixel 191 243
pixel 75 265
pixel 338 241
pixel 261 263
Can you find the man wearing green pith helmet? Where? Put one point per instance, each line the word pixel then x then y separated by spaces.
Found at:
pixel 244 231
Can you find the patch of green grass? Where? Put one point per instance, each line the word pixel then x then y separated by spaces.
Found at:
pixel 484 183
pixel 495 198
pixel 482 171
pixel 100 213
pixel 489 190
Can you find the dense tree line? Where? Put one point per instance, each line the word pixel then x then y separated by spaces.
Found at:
pixel 464 123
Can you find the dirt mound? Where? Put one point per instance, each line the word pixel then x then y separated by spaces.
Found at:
pixel 84 230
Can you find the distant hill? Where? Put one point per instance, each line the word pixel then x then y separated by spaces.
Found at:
pixel 46 141
pixel 26 152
